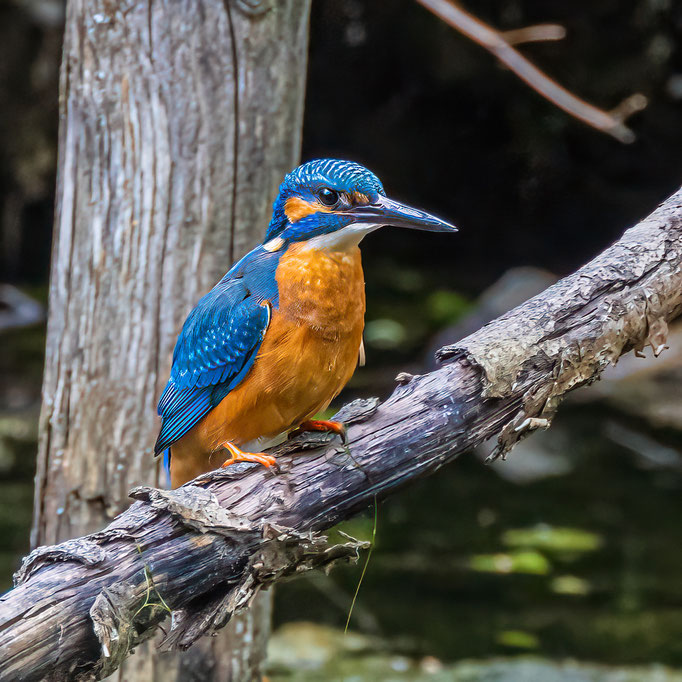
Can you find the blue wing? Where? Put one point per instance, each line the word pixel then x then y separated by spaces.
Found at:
pixel 216 348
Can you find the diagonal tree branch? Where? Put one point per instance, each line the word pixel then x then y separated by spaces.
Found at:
pixel 500 44
pixel 537 33
pixel 203 551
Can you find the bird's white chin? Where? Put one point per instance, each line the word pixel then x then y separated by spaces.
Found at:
pixel 342 239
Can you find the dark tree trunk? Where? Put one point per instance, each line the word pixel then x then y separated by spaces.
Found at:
pixel 178 121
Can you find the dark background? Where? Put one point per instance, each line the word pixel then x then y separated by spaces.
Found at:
pixel 434 115
pixel 448 129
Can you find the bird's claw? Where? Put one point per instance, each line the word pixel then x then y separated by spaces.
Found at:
pixel 322 425
pixel 238 455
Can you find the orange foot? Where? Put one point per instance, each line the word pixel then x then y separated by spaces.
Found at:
pixel 321 425
pixel 240 456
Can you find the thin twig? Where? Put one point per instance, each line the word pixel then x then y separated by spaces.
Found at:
pixel 364 568
pixel 612 123
pixel 534 34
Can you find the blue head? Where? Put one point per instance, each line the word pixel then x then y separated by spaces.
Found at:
pixel 336 201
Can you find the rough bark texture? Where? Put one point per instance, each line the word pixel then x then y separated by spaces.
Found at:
pixel 178 121
pixel 205 550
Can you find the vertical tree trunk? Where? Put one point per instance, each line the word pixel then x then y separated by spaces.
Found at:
pixel 178 121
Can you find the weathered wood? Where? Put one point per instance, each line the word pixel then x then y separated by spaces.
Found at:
pixel 206 549
pixel 178 121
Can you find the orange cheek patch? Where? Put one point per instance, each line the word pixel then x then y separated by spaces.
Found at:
pixel 296 208
pixel 360 198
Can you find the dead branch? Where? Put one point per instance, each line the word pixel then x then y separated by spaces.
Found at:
pixel 202 552
pixel 538 33
pixel 499 44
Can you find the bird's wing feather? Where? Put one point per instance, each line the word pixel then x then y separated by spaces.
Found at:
pixel 216 348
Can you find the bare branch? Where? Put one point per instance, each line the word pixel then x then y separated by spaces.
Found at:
pixel 205 550
pixel 534 34
pixel 612 123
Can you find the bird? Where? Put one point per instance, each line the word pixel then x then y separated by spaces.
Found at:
pixel 279 336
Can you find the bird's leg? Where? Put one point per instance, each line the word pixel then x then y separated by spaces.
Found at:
pixel 321 425
pixel 238 455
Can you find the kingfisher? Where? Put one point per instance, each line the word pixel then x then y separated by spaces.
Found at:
pixel 279 336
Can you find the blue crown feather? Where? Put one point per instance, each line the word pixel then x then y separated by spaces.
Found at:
pixel 343 176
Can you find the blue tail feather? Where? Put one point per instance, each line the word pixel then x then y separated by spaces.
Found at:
pixel 166 465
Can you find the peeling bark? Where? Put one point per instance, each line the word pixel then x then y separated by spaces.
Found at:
pixel 178 121
pixel 566 337
pixel 205 550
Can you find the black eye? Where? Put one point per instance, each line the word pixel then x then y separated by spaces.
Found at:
pixel 328 196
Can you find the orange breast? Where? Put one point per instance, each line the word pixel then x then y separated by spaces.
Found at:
pixel 309 353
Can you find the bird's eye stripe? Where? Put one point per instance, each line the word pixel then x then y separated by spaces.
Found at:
pixel 296 208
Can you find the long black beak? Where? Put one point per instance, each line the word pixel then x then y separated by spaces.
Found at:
pixel 389 212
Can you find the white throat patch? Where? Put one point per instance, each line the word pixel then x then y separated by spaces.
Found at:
pixel 342 239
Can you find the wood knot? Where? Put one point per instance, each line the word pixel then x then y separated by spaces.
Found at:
pixel 254 7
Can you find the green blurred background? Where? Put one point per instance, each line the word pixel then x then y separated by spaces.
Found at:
pixel 571 549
